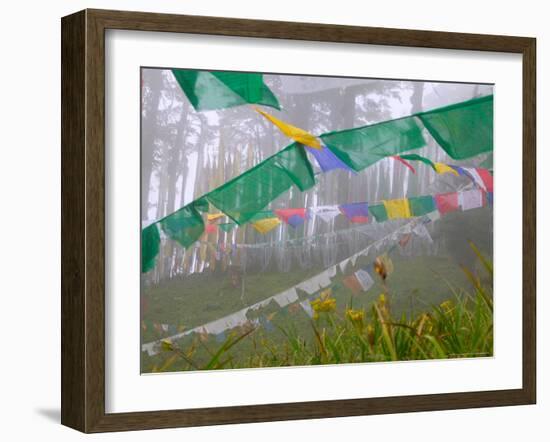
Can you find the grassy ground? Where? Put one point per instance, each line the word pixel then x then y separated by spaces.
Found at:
pixel 417 285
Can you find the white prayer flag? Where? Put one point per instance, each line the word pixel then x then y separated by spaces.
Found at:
pixel 470 199
pixel 326 213
pixel 324 279
pixel 310 286
pixel 343 265
pixel 364 279
pixel 287 297
pixel 260 304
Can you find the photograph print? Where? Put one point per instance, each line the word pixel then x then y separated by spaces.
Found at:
pixel 299 220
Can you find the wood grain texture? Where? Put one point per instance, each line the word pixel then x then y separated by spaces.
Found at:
pixel 83 219
pixel 73 128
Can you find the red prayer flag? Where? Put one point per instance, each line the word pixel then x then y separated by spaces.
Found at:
pixel 405 163
pixel 352 283
pixel 487 178
pixel 285 214
pixel 446 202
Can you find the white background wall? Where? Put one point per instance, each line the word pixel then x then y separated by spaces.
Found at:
pixel 30 217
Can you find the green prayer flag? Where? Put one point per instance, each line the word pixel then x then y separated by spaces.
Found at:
pixel 150 246
pixel 379 212
pixel 464 129
pixel 421 205
pixel 363 146
pixel 185 225
pixel 209 90
pixel 244 196
pixel 416 157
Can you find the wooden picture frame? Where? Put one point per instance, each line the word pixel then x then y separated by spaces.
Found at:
pixel 83 220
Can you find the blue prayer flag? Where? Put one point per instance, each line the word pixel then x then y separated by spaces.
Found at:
pixel 327 160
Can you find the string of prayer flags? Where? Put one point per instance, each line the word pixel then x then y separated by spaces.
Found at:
pixel 446 202
pixel 463 129
pixel 150 246
pixel 421 205
pixel 398 208
pixel 209 90
pixel 266 225
pixel 363 146
pixel 297 134
pixel 405 163
pixel 364 279
pixel 470 199
pixel 357 282
pixel 293 217
pixel 327 160
pixel 379 212
pixel 416 157
pixel 326 213
pixel 442 168
pixel 242 197
pixel 356 212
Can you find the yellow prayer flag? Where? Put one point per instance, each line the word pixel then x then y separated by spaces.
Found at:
pixel 297 134
pixel 443 168
pixel 267 224
pixel 214 216
pixel 397 208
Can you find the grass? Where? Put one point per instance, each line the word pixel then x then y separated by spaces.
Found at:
pixel 348 329
pixel 200 298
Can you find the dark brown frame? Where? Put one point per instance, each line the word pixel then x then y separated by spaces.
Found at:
pixel 83 216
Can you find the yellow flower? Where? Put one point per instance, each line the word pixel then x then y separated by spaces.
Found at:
pixel 446 306
pixel 355 315
pixel 166 345
pixel 382 299
pixel 325 304
pixel 327 293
